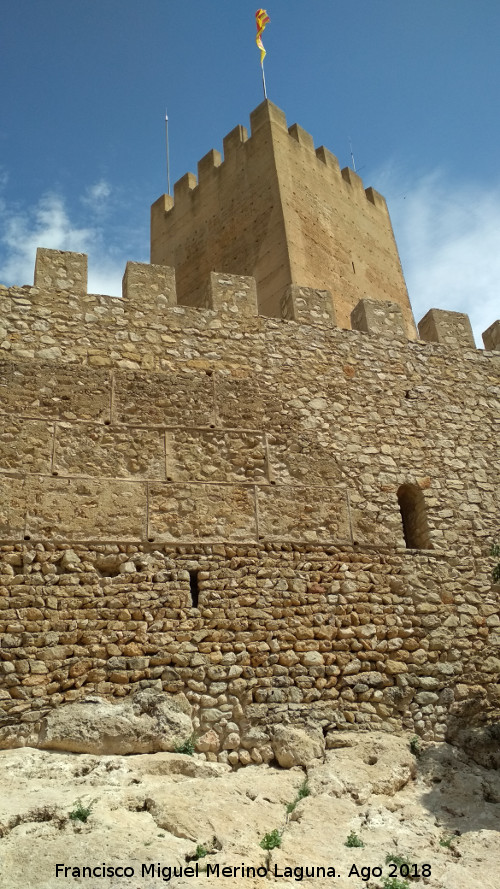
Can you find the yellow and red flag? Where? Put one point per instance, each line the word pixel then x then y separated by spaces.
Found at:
pixel 262 19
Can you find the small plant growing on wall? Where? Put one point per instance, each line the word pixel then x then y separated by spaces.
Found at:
pixel 395 883
pixel 187 747
pixel 415 746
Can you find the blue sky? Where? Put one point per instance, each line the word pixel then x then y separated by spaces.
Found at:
pixel 413 85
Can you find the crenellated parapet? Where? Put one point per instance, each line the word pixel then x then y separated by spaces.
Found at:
pixel 60 270
pixel 57 319
pixel 307 306
pixel 491 337
pixel 380 318
pixel 149 287
pixel 278 209
pixel 447 328
pixel 250 488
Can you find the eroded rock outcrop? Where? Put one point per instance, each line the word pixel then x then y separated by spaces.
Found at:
pixel 148 722
pixel 438 808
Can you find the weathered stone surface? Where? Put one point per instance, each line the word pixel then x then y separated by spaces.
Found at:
pixel 148 722
pixel 108 452
pixel 288 513
pixel 85 508
pixel 160 807
pixel 201 512
pixel 296 746
pixel 364 765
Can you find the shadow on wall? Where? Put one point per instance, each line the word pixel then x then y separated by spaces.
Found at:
pixel 463 796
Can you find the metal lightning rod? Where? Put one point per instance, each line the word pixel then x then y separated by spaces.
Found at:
pixel 168 155
pixel 352 156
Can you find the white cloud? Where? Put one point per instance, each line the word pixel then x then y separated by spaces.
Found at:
pixel 449 239
pixel 49 224
pixel 96 196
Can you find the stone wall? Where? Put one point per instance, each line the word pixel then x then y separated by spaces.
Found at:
pixel 277 633
pixel 210 501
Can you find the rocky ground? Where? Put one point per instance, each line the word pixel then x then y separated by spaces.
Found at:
pixel 438 808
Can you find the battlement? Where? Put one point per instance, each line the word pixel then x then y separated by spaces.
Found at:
pixel 276 208
pixel 57 319
pixel 267 113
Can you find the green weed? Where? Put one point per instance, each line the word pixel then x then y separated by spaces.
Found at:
pixel 395 883
pixel 353 841
pixel 398 860
pixel 447 842
pixel 303 791
pixel 81 812
pixel 187 747
pixel 415 746
pixel 271 840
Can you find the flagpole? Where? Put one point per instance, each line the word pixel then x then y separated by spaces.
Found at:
pixel 264 81
pixel 168 156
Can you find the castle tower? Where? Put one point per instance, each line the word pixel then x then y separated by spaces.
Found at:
pixel 285 214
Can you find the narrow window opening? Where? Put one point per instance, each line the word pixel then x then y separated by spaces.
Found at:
pixel 353 267
pixel 413 515
pixel 194 588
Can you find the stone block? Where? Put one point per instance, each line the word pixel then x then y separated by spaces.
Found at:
pixel 301 136
pixel 25 444
pixel 375 520
pixel 233 140
pixel 55 392
pixel 379 318
pixel 184 186
pixel 353 180
pixel 12 507
pixel 297 457
pixel 326 157
pixel 149 288
pixel 159 209
pixel 267 113
pixel 257 401
pixel 236 294
pixel 491 337
pixel 86 509
pixel 96 450
pixel 206 455
pixel 209 164
pixel 447 328
pixel 61 270
pixel 165 399
pixel 307 306
pixel 200 512
pixel 303 513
